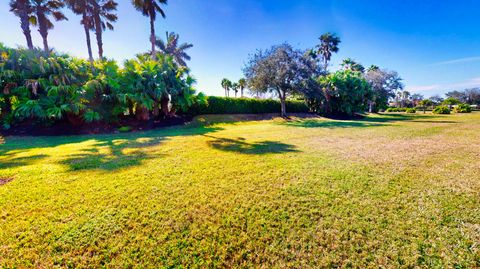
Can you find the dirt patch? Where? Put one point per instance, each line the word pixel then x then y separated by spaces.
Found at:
pixel 4 181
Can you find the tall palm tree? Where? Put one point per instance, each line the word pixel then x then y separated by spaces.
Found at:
pixel 226 84
pixel 42 10
pixel 172 48
pixel 328 45
pixel 242 83
pixel 103 16
pixel 350 64
pixel 23 10
pixel 235 88
pixel 83 8
pixel 150 8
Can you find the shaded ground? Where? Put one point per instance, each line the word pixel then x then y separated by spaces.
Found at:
pixel 391 190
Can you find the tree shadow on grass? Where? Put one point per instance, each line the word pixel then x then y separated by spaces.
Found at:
pixel 105 152
pixel 375 120
pixel 11 162
pixel 239 145
pixel 313 123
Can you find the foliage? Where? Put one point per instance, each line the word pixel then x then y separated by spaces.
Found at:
pixel 281 70
pixel 225 105
pixel 172 48
pixel 384 84
pixel 47 87
pixel 441 110
pixel 344 92
pixel 411 110
pixel 463 108
pixel 450 101
pixel 329 43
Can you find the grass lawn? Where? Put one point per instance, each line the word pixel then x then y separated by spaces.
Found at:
pixel 393 190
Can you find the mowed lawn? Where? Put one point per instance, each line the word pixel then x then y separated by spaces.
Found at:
pixel 392 190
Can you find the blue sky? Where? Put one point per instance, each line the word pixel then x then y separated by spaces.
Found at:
pixel 434 45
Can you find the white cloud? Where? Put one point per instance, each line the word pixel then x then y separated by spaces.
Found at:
pixel 473 82
pixel 458 61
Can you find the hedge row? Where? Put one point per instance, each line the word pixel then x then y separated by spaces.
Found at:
pixel 225 105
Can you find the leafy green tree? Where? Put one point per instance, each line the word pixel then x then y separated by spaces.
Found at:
pixel 328 45
pixel 425 103
pixel 281 70
pixel 172 48
pixel 23 9
pixel 345 92
pixel 242 84
pixel 151 8
pixel 450 101
pixel 384 84
pixel 43 9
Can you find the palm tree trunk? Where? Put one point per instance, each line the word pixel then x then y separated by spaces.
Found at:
pixel 25 24
pixel 42 28
pixel 98 33
pixel 45 40
pixel 164 104
pixel 89 44
pixel 152 35
pixel 241 93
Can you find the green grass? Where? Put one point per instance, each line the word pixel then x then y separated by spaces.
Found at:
pixel 393 190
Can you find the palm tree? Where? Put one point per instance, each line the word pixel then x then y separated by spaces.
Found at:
pixel 171 48
pixel 373 68
pixel 350 64
pixel 23 10
pixel 83 8
pixel 150 8
pixel 328 45
pixel 103 17
pixel 226 84
pixel 235 88
pixel 42 10
pixel 242 83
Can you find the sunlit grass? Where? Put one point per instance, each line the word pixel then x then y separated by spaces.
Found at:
pixel 392 190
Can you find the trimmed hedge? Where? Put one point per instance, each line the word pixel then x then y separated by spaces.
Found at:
pixel 226 105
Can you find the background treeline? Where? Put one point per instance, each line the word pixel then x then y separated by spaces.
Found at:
pixel 47 87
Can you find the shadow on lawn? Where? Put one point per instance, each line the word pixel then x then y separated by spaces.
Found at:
pixel 376 120
pixel 239 145
pixel 107 152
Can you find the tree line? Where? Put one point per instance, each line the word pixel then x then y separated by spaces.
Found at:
pixel 96 16
pixel 288 72
pixel 41 86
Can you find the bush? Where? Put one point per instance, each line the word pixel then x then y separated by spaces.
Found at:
pixel 396 109
pixel 411 110
pixel 463 108
pixel 226 105
pixel 441 110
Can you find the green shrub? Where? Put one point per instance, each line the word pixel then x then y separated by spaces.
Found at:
pixel 124 129
pixel 225 105
pixel 441 110
pixel 411 110
pixel 396 109
pixel 463 108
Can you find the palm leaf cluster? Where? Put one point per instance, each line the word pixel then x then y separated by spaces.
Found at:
pixel 47 87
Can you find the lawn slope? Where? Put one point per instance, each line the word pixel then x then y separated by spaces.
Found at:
pixel 390 190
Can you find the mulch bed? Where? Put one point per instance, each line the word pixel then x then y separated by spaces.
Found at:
pixel 65 128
